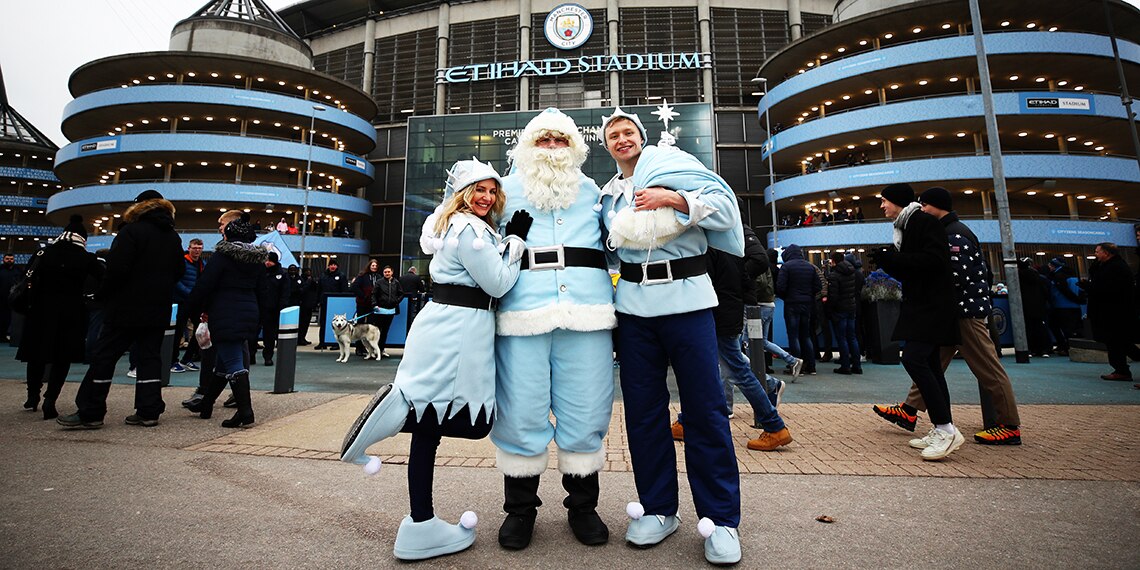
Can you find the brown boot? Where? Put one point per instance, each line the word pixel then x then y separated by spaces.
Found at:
pixel 770 441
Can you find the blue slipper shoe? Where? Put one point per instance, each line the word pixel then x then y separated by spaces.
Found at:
pixel 649 530
pixel 382 418
pixel 434 537
pixel 722 547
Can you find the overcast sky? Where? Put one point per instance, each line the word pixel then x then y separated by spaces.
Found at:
pixel 43 41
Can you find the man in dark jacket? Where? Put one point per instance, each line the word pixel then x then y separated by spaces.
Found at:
pixel 310 298
pixel 9 275
pixel 920 259
pixel 272 296
pixel 386 295
pixel 143 265
pixel 1000 420
pixel 1112 309
pixel 332 280
pixel 798 284
pixel 842 298
pixel 194 266
pixel 1065 300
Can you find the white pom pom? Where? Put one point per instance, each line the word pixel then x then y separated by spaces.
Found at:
pixel 373 466
pixel 437 243
pixel 706 527
pixel 478 244
pixel 453 242
pixel 468 520
pixel 611 214
pixel 597 207
pixel 502 247
pixel 635 510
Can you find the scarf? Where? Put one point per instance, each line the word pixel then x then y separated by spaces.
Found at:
pixel 72 237
pixel 900 222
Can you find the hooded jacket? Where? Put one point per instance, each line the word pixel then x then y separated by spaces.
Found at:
pixel 842 288
pixel 798 281
pixel 228 290
pixel 144 264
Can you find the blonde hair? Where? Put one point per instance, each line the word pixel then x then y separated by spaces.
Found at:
pixel 461 203
pixel 229 216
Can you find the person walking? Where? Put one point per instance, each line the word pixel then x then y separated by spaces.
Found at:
pixel 760 292
pixel 1112 309
pixel 798 284
pixel 920 259
pixel 143 265
pixel 1034 303
pixel 9 275
pixel 194 266
pixel 227 298
pixel 386 296
pixel 310 291
pixel 1000 420
pixel 843 286
pixel 445 384
pixel 55 326
pixel 1065 301
pixel 273 295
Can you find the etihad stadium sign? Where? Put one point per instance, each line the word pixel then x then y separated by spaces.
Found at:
pixel 583 64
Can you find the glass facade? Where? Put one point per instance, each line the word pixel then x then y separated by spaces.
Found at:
pixel 435 143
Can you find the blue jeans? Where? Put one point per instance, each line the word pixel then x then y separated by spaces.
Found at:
pixel 843 327
pixel 797 316
pixel 229 357
pixel 739 374
pixel 766 314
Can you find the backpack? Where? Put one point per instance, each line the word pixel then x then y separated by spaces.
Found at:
pixel 765 290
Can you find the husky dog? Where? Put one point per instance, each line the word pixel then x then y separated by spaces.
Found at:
pixel 348 332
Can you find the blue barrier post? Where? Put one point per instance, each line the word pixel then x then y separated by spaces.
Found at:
pixel 286 369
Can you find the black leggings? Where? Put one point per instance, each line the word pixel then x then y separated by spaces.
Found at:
pixel 426 434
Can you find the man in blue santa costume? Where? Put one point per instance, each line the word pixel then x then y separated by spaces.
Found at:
pixel 553 349
pixel 662 210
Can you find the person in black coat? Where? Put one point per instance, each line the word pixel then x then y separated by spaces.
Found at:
pixel 272 296
pixel 1034 305
pixel 332 280
pixel 843 286
pixel 310 291
pixel 226 295
pixel 1112 309
pixel 10 273
pixel 143 265
pixel 927 321
pixel 55 326
pixel 798 284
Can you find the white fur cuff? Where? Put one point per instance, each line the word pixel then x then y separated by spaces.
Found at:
pixel 581 464
pixel 512 465
pixel 582 318
pixel 647 229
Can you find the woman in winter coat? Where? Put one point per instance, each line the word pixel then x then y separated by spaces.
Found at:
pixel 55 327
pixel 445 385
pixel 226 297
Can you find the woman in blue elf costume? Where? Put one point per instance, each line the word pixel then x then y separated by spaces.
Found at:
pixel 445 385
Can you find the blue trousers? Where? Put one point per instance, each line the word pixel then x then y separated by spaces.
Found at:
pixel 797 317
pixel 843 330
pixel 740 374
pixel 688 342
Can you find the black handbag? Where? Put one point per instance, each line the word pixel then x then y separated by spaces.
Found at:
pixel 20 297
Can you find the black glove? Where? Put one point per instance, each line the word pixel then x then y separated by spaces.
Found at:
pixel 519 225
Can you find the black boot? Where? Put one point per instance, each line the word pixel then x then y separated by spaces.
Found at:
pixel 239 383
pixel 54 387
pixel 34 392
pixel 204 407
pixel 582 502
pixel 521 503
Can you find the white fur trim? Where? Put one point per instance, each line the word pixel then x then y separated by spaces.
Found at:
pixel 645 229
pixel 513 465
pixel 582 318
pixel 581 464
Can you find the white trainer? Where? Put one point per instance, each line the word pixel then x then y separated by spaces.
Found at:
pixel 942 444
pixel 922 442
pixel 797 368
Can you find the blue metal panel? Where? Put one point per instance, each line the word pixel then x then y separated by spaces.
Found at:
pixel 1048 231
pixel 21 173
pixel 23 201
pixel 961 168
pixel 216 95
pixel 210 192
pixel 229 145
pixel 997 44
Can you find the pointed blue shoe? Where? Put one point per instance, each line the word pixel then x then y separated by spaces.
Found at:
pixel 382 418
pixel 722 547
pixel 649 530
pixel 431 538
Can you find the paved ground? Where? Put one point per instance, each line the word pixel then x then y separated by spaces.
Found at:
pixel 189 493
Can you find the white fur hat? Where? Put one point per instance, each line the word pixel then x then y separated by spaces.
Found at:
pixel 619 114
pixel 467 172
pixel 552 120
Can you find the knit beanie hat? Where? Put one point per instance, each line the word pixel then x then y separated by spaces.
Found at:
pixel 240 230
pixel 148 195
pixel 1056 262
pixel 938 197
pixel 900 194
pixel 75 226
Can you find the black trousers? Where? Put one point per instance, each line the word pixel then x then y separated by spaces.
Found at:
pixel 922 361
pixel 305 316
pixel 1119 351
pixel 426 434
pixel 146 346
pixel 270 327
pixel 192 350
pixel 385 323
pixel 1063 323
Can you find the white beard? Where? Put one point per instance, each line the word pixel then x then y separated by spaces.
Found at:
pixel 551 179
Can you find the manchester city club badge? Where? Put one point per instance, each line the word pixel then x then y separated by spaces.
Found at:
pixel 568 26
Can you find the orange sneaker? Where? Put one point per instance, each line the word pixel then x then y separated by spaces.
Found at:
pixel 770 441
pixel 896 415
pixel 678 431
pixel 999 435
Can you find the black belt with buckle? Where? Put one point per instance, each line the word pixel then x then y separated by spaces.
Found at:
pixel 664 271
pixel 561 257
pixel 462 296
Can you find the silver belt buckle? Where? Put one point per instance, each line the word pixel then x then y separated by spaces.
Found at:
pixel 559 262
pixel 668 278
